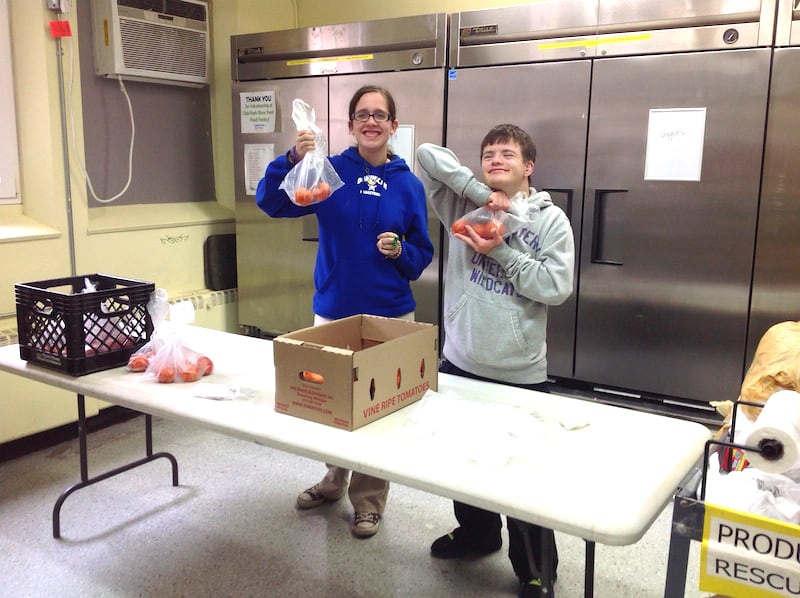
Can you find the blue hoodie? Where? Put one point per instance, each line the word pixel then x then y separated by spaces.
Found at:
pixel 351 276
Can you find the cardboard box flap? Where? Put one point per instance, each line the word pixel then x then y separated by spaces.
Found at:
pixel 376 329
pixel 400 343
pixel 344 334
pixel 314 346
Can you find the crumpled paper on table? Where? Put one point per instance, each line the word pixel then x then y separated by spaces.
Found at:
pixel 222 392
pixel 490 434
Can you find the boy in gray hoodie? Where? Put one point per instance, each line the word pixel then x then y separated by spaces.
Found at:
pixel 497 291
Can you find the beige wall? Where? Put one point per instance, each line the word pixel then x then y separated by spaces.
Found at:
pixel 129 241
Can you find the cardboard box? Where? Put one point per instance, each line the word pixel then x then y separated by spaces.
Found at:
pixel 353 371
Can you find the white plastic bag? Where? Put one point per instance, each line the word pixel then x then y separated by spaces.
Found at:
pixel 313 179
pixel 158 308
pixel 772 495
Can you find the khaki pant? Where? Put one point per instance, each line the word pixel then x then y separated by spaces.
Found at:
pixel 367 494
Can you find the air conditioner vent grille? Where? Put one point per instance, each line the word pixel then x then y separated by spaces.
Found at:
pixel 174 8
pixel 153 47
pixel 154 5
pixel 187 10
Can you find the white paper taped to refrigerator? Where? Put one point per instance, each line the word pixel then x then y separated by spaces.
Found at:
pixel 675 139
pixel 257 111
pixel 256 158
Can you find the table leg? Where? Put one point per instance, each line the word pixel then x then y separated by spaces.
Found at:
pixel 688 515
pixel 84 463
pixel 588 576
pixel 548 545
pixel 687 525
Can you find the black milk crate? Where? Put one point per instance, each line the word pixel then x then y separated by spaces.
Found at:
pixel 75 332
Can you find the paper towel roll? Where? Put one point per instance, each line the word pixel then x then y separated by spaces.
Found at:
pixel 777 433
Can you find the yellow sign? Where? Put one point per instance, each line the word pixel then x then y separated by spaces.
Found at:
pixel 589 43
pixel 748 555
pixel 329 59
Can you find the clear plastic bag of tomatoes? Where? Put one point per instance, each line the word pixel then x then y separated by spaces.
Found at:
pixel 165 357
pixel 313 178
pixel 485 221
pixel 158 308
pixel 175 362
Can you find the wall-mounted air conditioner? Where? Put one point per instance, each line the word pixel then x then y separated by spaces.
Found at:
pixel 160 41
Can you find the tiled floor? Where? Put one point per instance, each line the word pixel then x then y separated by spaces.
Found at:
pixel 231 529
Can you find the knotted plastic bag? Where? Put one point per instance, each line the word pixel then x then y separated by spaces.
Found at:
pixel 485 221
pixel 158 307
pixel 313 179
pixel 166 357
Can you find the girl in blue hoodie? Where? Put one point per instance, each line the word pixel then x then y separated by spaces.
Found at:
pixel 373 241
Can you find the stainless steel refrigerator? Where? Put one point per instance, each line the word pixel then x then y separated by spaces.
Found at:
pixel 649 120
pixel 776 282
pixel 324 66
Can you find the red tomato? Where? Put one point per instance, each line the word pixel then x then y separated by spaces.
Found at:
pixel 302 196
pixel 189 372
pixel 459 227
pixel 486 228
pixel 321 191
pixel 205 365
pixel 166 374
pixel 483 229
pixel 138 362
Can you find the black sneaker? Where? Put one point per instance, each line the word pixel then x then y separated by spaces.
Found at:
pixel 455 546
pixel 533 589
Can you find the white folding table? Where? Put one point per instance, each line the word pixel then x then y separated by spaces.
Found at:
pixel 583 468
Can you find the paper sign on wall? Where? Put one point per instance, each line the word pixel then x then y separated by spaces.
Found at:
pixel 257 111
pixel 675 139
pixel 256 158
pixel 748 555
pixel 402 143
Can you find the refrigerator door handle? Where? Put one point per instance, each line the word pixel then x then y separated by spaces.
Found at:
pixel 598 226
pixel 568 194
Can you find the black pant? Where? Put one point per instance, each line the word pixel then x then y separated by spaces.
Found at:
pixel 483 526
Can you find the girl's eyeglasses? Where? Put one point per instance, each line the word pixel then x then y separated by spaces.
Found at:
pixel 379 116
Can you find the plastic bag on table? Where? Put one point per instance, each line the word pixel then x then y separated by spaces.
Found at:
pixel 176 362
pixel 484 220
pixel 313 179
pixel 158 308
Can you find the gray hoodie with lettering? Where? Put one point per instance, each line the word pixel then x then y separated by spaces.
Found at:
pixel 495 305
